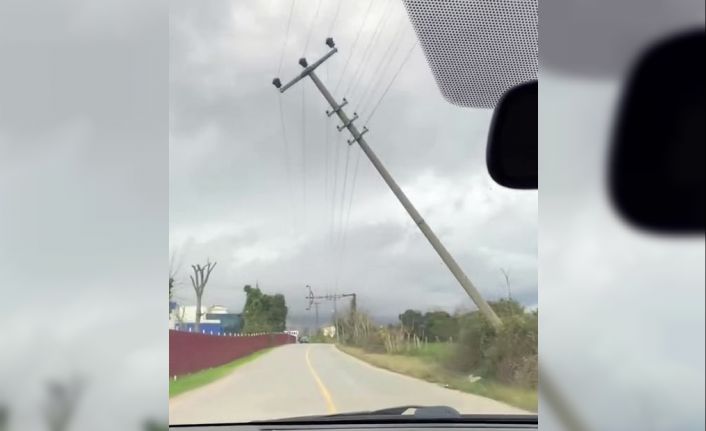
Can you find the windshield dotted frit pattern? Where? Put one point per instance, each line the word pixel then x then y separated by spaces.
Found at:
pixel 477 49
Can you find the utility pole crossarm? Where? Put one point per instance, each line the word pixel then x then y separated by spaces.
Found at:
pixel 307 68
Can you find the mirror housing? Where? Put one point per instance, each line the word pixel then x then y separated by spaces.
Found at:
pixel 656 170
pixel 511 154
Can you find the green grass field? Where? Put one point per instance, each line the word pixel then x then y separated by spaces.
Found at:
pixel 425 363
pixel 436 352
pixel 192 381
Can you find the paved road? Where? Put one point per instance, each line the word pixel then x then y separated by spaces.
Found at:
pixel 310 379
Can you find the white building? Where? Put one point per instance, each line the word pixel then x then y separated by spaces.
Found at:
pixel 329 331
pixel 183 314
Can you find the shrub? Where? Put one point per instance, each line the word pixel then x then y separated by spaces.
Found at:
pixel 508 355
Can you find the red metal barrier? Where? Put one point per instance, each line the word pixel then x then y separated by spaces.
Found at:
pixel 190 352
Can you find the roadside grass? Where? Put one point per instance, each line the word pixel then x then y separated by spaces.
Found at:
pixel 426 365
pixel 437 352
pixel 200 378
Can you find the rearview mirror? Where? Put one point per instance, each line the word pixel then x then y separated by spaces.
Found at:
pixel 657 166
pixel 511 155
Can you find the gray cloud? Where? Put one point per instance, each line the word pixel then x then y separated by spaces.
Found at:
pixel 84 209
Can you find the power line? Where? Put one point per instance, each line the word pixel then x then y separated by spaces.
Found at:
pixel 335 17
pixel 281 108
pixel 350 204
pixel 371 42
pixel 326 147
pixel 286 149
pixel 409 54
pixel 311 28
pixel 355 42
pixel 344 228
pixel 345 183
pixel 335 187
pixel 332 255
pixel 343 200
pixel 343 191
pixel 304 150
pixel 286 37
pixel 381 70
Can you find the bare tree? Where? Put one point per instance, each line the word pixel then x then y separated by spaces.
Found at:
pixel 506 274
pixel 62 402
pixel 199 281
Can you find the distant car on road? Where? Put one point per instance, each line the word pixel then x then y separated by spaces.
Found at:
pixel 303 339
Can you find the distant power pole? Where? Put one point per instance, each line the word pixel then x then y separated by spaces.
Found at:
pixel 316 311
pixel 354 302
pixel 337 109
pixel 331 297
pixel 506 274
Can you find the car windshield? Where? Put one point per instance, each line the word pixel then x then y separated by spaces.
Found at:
pixel 322 255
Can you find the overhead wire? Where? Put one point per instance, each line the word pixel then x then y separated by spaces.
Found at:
pixel 311 27
pixel 345 184
pixel 343 200
pixel 381 69
pixel 332 244
pixel 345 220
pixel 355 43
pixel 350 203
pixel 338 143
pixel 304 124
pixel 303 162
pixel 286 147
pixel 283 127
pixel 326 145
pixel 336 164
pixel 389 85
pixel 335 17
pixel 286 37
pixel 353 83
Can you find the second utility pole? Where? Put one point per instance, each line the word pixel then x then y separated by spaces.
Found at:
pixel 358 137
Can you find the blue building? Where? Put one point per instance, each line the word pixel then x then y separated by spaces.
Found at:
pixel 214 319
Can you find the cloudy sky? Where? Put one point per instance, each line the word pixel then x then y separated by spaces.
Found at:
pixel 83 209
pixel 268 206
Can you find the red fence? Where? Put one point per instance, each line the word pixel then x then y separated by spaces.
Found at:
pixel 190 352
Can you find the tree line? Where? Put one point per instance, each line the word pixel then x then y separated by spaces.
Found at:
pixel 263 312
pixel 508 355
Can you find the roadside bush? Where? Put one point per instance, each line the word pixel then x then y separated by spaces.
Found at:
pixel 515 351
pixel 358 329
pixel 474 350
pixel 508 356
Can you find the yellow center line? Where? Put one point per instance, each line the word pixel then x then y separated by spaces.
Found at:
pixel 322 388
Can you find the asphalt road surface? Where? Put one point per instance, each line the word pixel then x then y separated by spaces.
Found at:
pixel 313 379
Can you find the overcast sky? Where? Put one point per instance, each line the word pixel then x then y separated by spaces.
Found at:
pixel 266 210
pixel 83 209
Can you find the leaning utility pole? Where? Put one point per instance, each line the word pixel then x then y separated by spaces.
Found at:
pixel 548 389
pixel 358 137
